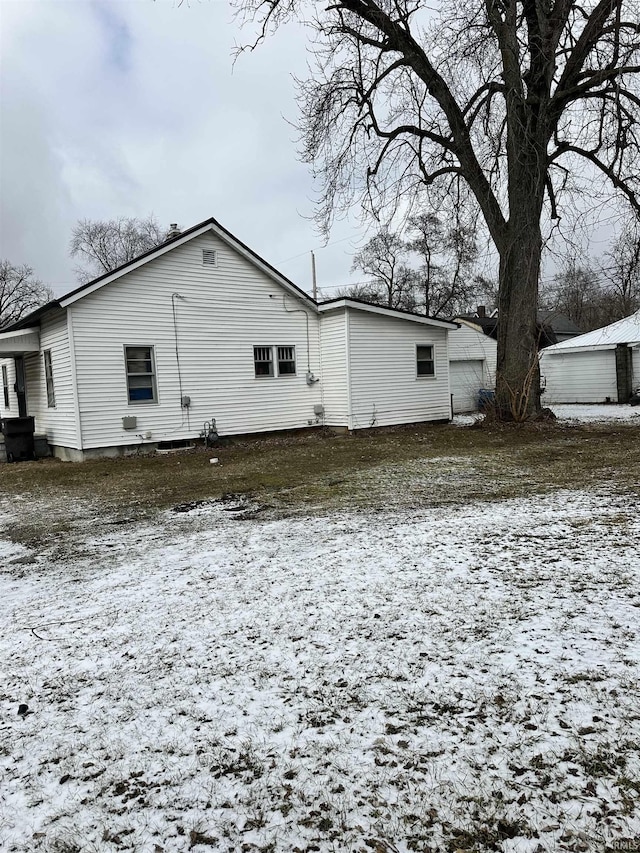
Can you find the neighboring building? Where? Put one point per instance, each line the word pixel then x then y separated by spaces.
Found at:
pixel 201 329
pixel 546 323
pixel 602 366
pixel 473 351
pixel 561 326
pixel 472 364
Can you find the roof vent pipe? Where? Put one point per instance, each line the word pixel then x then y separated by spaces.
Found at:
pixel 173 231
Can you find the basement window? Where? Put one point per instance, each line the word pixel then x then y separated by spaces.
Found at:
pixel 210 257
pixel 425 364
pixel 141 375
pixel 48 376
pixel 5 386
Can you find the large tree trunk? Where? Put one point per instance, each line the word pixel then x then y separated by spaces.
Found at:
pixel 518 375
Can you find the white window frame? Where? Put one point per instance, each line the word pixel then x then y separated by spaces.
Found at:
pixel 48 378
pixel 152 373
pixel 275 351
pixel 419 361
pixel 260 350
pixel 281 360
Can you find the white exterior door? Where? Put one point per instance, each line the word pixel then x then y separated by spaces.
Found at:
pixel 466 381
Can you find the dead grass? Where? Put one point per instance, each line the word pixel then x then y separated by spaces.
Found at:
pixel 317 469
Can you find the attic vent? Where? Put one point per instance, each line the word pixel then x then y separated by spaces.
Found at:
pixel 209 257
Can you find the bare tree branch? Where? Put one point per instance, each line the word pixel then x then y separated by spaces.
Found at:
pixel 20 292
pixel 105 245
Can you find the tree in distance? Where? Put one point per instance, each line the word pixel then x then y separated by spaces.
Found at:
pixel 103 246
pixel 596 296
pixel 385 260
pixel 431 272
pixel 20 292
pixel 621 270
pixel 505 106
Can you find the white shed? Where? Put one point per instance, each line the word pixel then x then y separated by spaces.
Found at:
pixel 602 366
pixel 381 366
pixel 472 364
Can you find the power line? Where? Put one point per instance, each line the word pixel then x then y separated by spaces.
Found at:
pixel 317 249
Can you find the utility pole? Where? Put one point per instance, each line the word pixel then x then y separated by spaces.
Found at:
pixel 313 276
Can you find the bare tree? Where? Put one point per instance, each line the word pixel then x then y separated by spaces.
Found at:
pixel 448 255
pixel 576 291
pixel 500 100
pixel 20 292
pixel 432 273
pixel 103 246
pixel 426 238
pixel 385 259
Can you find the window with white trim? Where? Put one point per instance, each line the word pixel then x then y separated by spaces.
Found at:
pixel 141 374
pixel 286 361
pixel 5 386
pixel 425 364
pixel 48 377
pixel 274 361
pixel 263 361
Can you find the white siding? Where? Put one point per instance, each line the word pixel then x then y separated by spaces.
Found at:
pixel 335 384
pixel 226 309
pixel 12 411
pixel 636 367
pixel 579 377
pixel 59 423
pixel 467 344
pixel 385 388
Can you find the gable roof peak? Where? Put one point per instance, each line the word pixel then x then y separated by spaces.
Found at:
pixel 179 238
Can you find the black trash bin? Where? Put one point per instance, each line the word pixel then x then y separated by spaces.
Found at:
pixel 18 438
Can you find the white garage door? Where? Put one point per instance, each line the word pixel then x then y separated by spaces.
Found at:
pixel 466 381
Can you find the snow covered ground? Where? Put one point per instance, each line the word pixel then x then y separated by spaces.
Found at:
pixel 438 679
pixel 596 413
pixel 575 413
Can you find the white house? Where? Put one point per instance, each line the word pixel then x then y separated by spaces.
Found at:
pixel 472 364
pixel 602 366
pixel 201 329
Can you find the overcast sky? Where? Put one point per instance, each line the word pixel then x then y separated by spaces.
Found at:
pixel 130 107
pixel 115 108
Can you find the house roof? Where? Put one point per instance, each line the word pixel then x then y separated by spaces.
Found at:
pixel 625 331
pixel 556 322
pixel 361 305
pixel 202 228
pixel 560 323
pixel 489 325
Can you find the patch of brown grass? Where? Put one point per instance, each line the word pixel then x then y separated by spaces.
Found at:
pixel 323 470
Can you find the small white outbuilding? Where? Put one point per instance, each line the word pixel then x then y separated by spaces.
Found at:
pixel 472 364
pixel 602 366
